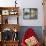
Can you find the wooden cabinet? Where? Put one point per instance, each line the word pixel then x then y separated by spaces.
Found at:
pixel 7 13
pixel 9 26
pixel 9 43
pixel 0 43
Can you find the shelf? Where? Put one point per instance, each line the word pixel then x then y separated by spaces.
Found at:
pixel 7 16
pixel 10 26
pixel 11 41
pixel 6 12
pixel 9 10
pixel 5 8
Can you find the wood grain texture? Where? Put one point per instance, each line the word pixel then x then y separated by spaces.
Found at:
pixel 10 26
pixel 44 6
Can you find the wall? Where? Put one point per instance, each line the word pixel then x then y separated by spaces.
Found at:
pixel 32 4
pixel 36 29
pixel 27 4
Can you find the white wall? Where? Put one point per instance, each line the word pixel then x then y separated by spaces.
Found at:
pixel 27 4
pixel 32 4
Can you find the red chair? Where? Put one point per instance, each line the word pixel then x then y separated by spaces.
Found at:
pixel 29 33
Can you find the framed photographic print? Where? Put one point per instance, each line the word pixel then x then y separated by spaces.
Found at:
pixel 5 12
pixel 12 12
pixel 30 13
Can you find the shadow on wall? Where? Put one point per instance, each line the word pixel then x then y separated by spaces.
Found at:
pixel 37 29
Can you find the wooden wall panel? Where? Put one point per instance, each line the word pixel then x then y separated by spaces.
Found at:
pixel 11 26
pixel 44 6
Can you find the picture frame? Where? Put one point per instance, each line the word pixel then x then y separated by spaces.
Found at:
pixel 30 13
pixel 12 12
pixel 5 12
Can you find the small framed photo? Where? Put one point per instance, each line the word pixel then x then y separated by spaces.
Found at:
pixel 12 12
pixel 30 13
pixel 5 12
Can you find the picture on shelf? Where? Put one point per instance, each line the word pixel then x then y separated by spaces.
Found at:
pixel 0 19
pixel 5 12
pixel 30 13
